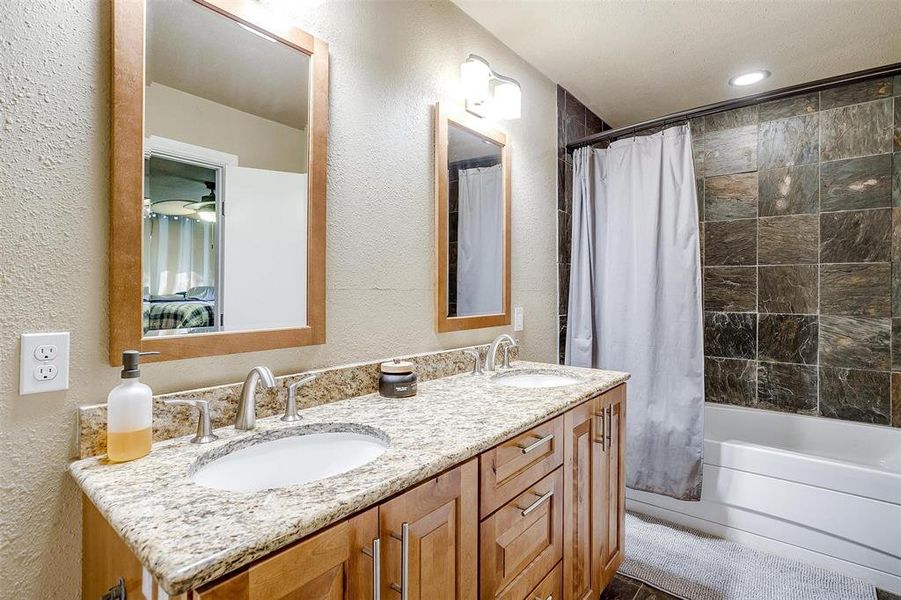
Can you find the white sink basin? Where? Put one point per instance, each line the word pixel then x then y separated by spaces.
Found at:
pixel 291 460
pixel 534 379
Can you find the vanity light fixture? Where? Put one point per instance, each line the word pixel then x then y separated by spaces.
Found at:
pixel 477 77
pixel 749 78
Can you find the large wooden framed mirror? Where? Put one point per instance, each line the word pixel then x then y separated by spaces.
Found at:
pixel 218 180
pixel 472 178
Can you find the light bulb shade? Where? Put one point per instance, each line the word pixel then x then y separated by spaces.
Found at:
pixel 508 100
pixel 475 77
pixel 207 216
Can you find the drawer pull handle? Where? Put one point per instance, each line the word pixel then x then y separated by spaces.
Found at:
pixel 602 428
pixel 376 555
pixel 528 448
pixel 404 588
pixel 537 503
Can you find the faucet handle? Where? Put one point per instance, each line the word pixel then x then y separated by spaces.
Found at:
pixel 477 361
pixel 507 347
pixel 204 423
pixel 291 405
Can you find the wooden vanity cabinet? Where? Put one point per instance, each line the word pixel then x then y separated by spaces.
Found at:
pixel 595 494
pixel 441 517
pixel 329 565
pixel 538 517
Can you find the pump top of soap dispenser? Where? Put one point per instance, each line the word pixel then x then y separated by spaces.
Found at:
pixel 131 360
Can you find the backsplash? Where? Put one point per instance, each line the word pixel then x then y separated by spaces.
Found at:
pixel 800 208
pixel 332 384
pixel 574 120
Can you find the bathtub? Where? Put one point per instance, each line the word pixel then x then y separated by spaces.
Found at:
pixel 819 490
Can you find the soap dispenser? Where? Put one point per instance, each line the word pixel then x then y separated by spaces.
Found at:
pixel 129 413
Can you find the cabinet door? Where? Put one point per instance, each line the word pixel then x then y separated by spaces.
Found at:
pixel 440 518
pixel 585 481
pixel 614 420
pixel 328 566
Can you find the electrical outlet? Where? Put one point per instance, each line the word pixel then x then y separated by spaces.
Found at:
pixel 517 318
pixel 46 352
pixel 45 372
pixel 43 362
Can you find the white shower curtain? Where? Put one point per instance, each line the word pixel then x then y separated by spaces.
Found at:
pixel 179 253
pixel 480 232
pixel 635 304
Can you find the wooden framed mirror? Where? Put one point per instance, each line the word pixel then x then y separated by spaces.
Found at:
pixel 218 180
pixel 472 179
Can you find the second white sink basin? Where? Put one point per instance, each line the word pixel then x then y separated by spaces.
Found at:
pixel 291 460
pixel 534 379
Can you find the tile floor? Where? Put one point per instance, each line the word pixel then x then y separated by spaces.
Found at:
pixel 626 588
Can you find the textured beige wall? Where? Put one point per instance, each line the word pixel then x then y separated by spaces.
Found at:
pixel 390 62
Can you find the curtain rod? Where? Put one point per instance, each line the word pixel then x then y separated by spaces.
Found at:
pixel 717 107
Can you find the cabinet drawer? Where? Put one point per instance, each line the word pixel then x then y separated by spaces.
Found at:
pixel 550 588
pixel 508 469
pixel 522 541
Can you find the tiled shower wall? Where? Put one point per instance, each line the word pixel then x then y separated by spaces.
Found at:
pixel 574 121
pixel 801 246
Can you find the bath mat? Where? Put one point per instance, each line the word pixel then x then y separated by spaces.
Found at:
pixel 696 566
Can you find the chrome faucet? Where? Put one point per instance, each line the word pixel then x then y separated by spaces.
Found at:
pixel 246 418
pixel 504 338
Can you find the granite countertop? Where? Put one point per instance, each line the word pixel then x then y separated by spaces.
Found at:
pixel 186 535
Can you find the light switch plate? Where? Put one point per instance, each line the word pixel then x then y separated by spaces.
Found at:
pixel 517 318
pixel 43 362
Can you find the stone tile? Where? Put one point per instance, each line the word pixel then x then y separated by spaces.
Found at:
pixel 856 130
pixel 699 191
pixel 897 85
pixel 788 190
pixel 564 236
pixel 789 107
pixel 593 123
pixel 896 177
pixel 621 588
pixel 787 338
pixel 896 345
pixel 730 381
pixel 896 288
pixel 856 183
pixel 788 240
pixel 730 197
pixel 730 289
pixel 701 230
pixel 787 388
pixel 896 403
pixel 730 335
pixel 697 145
pixel 564 202
pixel 854 395
pixel 790 289
pixel 647 592
pixel 855 93
pixel 561 339
pixel 855 342
pixel 730 151
pixel 896 132
pixel 730 242
pixel 786 142
pixel 563 288
pixel 856 236
pixel 739 117
pixel 856 289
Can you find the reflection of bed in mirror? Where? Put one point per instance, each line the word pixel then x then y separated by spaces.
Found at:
pixel 192 311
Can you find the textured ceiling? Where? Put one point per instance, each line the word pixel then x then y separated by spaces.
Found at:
pixel 634 60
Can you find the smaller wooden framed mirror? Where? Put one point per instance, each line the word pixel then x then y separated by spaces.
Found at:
pixel 472 216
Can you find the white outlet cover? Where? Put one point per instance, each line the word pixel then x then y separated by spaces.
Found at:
pixel 517 318
pixel 29 363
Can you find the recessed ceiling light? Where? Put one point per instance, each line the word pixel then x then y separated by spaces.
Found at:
pixel 749 78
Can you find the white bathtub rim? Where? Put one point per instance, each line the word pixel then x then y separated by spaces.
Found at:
pixel 789 465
